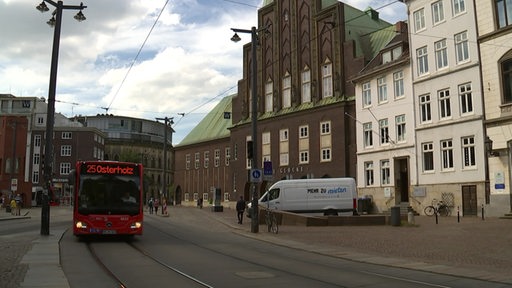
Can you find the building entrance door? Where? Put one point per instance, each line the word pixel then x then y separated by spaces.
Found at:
pixel 401 180
pixel 469 202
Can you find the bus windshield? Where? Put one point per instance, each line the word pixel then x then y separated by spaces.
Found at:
pixel 109 194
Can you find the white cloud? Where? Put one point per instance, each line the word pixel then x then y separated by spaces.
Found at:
pixel 187 60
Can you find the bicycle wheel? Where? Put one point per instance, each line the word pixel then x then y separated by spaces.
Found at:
pixel 429 210
pixel 268 221
pixel 273 224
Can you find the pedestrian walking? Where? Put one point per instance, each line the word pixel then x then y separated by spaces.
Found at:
pixel 150 205
pixel 156 204
pixel 240 208
pixel 19 202
pixel 13 207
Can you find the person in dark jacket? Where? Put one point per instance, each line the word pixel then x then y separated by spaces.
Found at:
pixel 240 208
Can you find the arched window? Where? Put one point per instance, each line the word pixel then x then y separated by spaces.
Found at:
pixel 506 81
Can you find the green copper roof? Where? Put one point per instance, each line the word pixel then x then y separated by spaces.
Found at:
pixel 361 27
pixel 213 126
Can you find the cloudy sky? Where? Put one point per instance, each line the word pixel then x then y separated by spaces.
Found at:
pixel 121 60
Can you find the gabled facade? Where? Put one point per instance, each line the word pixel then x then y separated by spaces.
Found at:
pixel 495 35
pixel 303 90
pixel 386 169
pixel 448 104
pixel 203 160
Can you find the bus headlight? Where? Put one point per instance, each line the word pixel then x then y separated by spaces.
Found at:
pixel 136 225
pixel 80 225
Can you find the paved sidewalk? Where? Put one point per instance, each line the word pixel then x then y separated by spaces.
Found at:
pixel 473 248
pixel 33 260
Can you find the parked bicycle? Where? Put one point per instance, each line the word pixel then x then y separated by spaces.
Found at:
pixel 437 207
pixel 271 220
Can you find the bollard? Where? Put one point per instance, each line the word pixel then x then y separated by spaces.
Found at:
pixel 410 218
pixel 482 211
pixel 437 222
pixel 458 215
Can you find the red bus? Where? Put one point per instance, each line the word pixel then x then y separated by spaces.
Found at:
pixel 107 198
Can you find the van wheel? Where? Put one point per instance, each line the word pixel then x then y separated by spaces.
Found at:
pixel 330 213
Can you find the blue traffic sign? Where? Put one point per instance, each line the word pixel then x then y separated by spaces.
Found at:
pixel 256 175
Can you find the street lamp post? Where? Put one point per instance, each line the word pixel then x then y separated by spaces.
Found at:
pixel 167 121
pixel 254 121
pixel 55 21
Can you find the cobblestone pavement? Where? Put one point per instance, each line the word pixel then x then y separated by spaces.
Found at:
pixel 15 246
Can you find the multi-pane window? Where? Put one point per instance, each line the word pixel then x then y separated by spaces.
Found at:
pixel 468 152
pixel 303 157
pixel 187 161
pixel 425 109
pixel 265 138
pixel 422 58
pixel 400 128
pixel 37 158
pixel 216 159
pixel 367 94
pixel 306 86
pixel 35 177
pixel 428 156
pixel 503 12
pixel 196 160
pixel 398 83
pixel 441 54
pixel 445 110
pixel 506 79
pixel 287 91
pixel 65 168
pixel 384 131
pixel 206 159
pixel 462 46
pixel 437 12
pixel 269 95
pixel 283 135
pixel 447 154
pixel 65 150
pixel 227 157
pixel 382 89
pixel 303 131
pixel 385 172
pixel 368 173
pixel 327 80
pixel 326 154
pixel 466 98
pixel 368 134
pixel 283 159
pixel 419 20
pixel 459 6
pixel 37 141
pixel 325 128
pixel 66 135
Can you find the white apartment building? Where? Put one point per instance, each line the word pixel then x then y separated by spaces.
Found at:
pixel 448 106
pixel 494 19
pixel 385 123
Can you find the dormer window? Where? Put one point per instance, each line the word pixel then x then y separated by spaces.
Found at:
pixel 386 57
pixel 391 55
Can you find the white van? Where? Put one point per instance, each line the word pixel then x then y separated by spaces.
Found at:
pixel 325 196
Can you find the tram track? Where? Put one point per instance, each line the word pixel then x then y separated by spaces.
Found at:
pixel 112 257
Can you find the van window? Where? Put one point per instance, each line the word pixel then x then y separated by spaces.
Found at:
pixel 272 194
